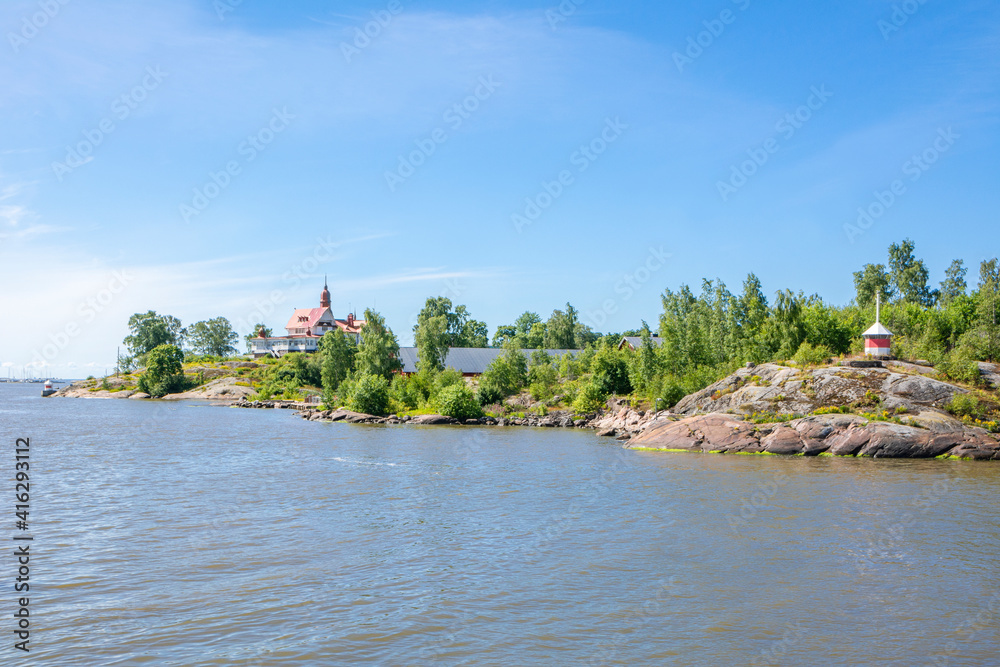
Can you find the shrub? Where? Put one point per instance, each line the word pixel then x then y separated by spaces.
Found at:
pixel 832 410
pixel 458 401
pixel 504 377
pixel 671 392
pixel 446 378
pixel 588 399
pixel 811 355
pixel 965 405
pixel 771 417
pixel 405 392
pixel 369 394
pixel 961 366
pixel 494 410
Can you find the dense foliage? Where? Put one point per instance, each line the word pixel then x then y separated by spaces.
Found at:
pixel 505 376
pixel 378 352
pixel 562 331
pixel 148 330
pixel 459 401
pixel 337 351
pixel 439 328
pixel 215 337
pixel 367 393
pixel 699 338
pixel 164 371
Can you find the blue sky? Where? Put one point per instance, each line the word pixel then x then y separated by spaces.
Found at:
pixel 205 158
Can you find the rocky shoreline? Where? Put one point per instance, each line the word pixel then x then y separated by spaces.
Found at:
pixel 895 412
pixel 821 435
pixel 558 419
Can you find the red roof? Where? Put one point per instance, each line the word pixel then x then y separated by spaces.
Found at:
pixel 306 318
pixel 309 318
pixel 348 328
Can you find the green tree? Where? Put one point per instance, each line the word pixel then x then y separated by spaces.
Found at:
pixel 751 317
pixel 869 281
pixel 530 330
pixel 439 328
pixel 684 330
pixel 164 370
pixel 953 285
pixel 985 334
pixel 560 330
pixel 503 334
pixel 825 329
pixel 467 332
pixel 909 275
pixel 644 364
pixel 526 333
pixel 432 339
pixel 149 330
pixel 610 372
pixel 215 337
pixel 337 351
pixel 787 327
pixel 378 353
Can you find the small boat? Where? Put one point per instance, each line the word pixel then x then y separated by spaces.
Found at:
pixel 47 389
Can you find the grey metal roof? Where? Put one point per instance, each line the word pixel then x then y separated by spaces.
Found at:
pixel 636 341
pixel 472 360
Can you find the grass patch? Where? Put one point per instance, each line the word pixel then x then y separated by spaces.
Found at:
pixel 771 418
pixel 656 449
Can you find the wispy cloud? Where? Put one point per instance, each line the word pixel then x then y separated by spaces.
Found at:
pixel 410 276
pixel 30 231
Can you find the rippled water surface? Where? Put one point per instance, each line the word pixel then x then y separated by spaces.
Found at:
pixel 187 534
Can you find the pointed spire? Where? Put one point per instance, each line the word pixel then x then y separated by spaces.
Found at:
pixel 324 297
pixel 878 307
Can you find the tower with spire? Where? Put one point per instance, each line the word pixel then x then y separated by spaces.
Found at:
pixel 305 327
pixel 324 296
